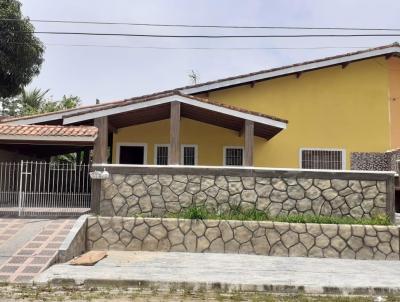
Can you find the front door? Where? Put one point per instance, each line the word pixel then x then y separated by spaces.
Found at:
pixel 131 155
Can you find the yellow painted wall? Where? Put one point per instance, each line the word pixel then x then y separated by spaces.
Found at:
pixel 394 84
pixel 209 139
pixel 328 108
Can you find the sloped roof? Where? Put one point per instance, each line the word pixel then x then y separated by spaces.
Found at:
pixel 147 98
pixel 157 107
pixel 222 83
pixel 293 68
pixel 47 133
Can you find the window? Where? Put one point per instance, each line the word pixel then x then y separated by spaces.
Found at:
pixel 189 155
pixel 161 154
pixel 132 154
pixel 329 159
pixel 233 156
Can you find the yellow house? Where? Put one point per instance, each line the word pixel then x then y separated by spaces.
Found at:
pixel 313 114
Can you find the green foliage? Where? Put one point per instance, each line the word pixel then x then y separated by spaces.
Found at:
pixel 36 101
pixel 236 213
pixel 195 213
pixel 21 53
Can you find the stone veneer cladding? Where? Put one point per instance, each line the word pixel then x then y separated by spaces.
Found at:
pixel 127 194
pixel 247 237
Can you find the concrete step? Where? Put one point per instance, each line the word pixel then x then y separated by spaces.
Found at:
pixel 231 272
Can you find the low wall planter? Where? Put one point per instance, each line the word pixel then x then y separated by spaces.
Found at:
pixel 247 237
pixel 128 192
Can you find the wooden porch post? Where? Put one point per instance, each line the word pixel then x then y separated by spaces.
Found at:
pixel 174 134
pixel 248 143
pixel 101 143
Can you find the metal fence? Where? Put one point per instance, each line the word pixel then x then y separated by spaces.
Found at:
pixel 29 188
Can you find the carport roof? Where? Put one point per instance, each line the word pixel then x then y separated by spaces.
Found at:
pixel 43 134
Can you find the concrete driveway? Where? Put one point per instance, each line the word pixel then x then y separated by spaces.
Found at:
pixel 29 246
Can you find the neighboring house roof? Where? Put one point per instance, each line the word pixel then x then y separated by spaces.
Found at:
pixel 47 133
pixel 387 50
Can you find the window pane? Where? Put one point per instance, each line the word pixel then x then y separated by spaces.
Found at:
pixel 133 155
pixel 189 156
pixel 321 159
pixel 233 156
pixel 162 155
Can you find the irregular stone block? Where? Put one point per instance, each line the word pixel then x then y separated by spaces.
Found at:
pixel 221 182
pixel 150 179
pixel 296 192
pixel 322 184
pixel 339 184
pixel 165 180
pixel 329 194
pixel 279 184
pixel 192 188
pixel 181 178
pixel 278 196
pixel 154 189
pixel 305 183
pixel 370 192
pixel 235 187
pixel 242 234
pixel 249 196
pixel 133 179
pixel 313 192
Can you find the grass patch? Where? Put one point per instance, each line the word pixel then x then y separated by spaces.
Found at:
pixel 196 212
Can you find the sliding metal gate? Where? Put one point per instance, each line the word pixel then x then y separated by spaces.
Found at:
pixel 30 188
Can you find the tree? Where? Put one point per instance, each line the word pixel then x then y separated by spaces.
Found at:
pixel 21 53
pixel 35 101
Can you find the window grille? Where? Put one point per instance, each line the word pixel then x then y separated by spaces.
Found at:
pixel 327 159
pixel 162 155
pixel 233 156
pixel 189 155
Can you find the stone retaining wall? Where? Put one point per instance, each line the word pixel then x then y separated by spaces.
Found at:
pixel 156 191
pixel 247 237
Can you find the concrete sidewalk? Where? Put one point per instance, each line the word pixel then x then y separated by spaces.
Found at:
pixel 229 272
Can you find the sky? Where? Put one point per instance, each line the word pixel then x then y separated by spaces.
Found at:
pixel 115 73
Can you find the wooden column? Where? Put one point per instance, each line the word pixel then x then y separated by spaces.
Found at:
pixel 99 157
pixel 101 143
pixel 174 133
pixel 248 143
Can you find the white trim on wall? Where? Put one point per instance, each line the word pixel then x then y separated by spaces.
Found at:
pixel 231 147
pixel 196 153
pixel 155 152
pixel 343 151
pixel 118 146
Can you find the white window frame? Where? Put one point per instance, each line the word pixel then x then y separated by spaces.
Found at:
pixel 196 152
pixel 119 145
pixel 155 152
pixel 343 151
pixel 232 147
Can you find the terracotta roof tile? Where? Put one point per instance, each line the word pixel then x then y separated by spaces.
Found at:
pixel 48 130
